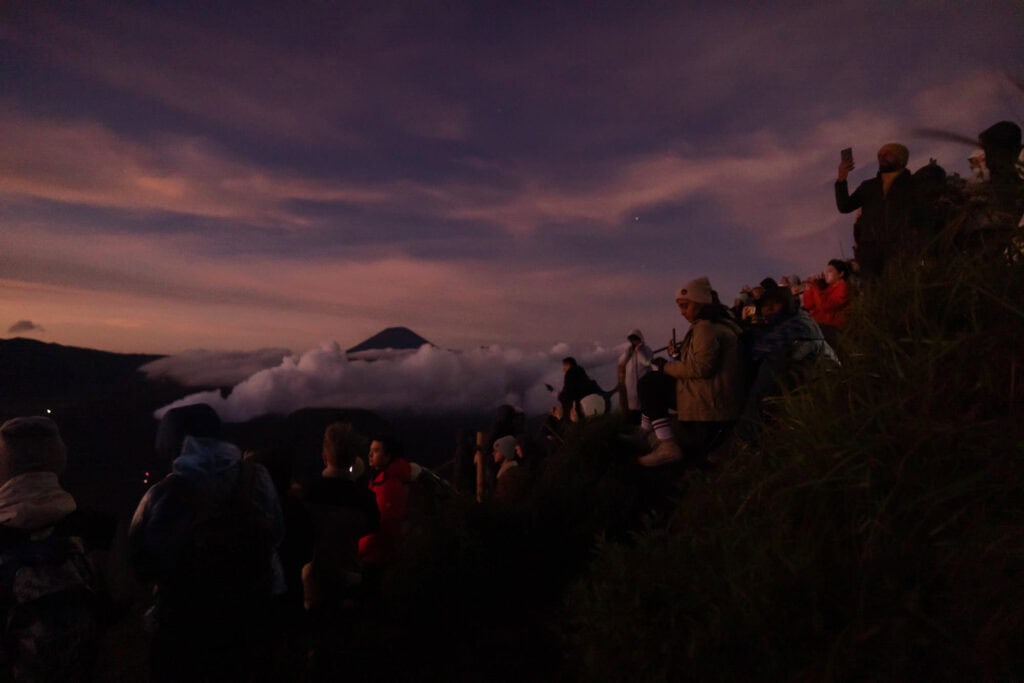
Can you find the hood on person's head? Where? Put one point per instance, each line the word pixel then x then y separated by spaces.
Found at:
pixel 30 444
pixel 635 334
pixel 698 291
pixel 895 156
pixel 198 420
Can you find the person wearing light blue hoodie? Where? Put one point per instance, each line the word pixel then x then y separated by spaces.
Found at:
pixel 206 535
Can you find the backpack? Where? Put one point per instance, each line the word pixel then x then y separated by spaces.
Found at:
pixel 49 607
pixel 227 563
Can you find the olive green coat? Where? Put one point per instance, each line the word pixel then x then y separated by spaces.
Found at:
pixel 709 373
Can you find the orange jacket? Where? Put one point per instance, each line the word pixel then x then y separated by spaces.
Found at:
pixel 828 306
pixel 391 487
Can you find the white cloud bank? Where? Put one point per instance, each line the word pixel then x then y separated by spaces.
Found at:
pixel 427 381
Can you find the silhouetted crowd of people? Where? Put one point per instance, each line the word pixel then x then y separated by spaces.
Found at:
pixel 252 573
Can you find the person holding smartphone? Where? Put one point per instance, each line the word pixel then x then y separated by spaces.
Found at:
pixel 885 203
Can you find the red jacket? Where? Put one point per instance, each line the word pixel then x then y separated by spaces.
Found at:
pixel 828 306
pixel 391 487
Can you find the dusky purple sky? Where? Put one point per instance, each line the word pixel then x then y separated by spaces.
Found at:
pixel 223 175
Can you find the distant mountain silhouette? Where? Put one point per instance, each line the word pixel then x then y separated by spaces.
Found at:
pixel 398 338
pixel 35 368
pixel 103 406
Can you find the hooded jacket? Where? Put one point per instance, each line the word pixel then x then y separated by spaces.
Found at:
pixel 165 516
pixel 635 363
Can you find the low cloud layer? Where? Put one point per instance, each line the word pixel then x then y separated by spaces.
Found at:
pixel 23 326
pixel 427 381
pixel 204 368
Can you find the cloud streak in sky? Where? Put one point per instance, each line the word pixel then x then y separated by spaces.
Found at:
pixel 84 163
pixel 178 176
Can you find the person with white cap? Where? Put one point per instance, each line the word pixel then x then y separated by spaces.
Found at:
pixel 709 373
pixel 634 363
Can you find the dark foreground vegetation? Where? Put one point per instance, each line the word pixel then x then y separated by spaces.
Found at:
pixel 877 532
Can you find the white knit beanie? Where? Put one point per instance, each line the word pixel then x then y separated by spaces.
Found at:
pixel 698 291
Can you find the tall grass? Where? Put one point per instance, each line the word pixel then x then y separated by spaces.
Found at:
pixel 877 533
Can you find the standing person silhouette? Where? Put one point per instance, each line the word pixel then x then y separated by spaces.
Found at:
pixel 885 203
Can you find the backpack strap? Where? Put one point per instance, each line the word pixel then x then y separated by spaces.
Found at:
pixel 245 485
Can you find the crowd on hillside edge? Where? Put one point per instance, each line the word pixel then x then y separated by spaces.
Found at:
pixel 244 563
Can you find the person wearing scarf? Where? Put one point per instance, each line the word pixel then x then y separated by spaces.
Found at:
pixel 47 584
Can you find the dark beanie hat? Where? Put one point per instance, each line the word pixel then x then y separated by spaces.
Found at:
pixel 32 444
pixel 198 420
pixel 1003 135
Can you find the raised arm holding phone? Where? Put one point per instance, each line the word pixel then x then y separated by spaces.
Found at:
pixel 884 202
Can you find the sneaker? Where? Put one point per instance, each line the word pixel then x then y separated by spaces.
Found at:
pixel 667 451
